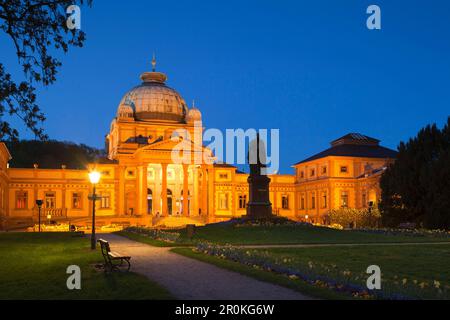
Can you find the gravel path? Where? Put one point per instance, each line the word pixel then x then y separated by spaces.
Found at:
pixel 188 278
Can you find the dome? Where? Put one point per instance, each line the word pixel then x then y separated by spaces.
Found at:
pixel 153 100
pixel 193 115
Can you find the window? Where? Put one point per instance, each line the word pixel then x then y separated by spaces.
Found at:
pixel 223 201
pixel 364 200
pixel 313 172
pixel 21 200
pixel 130 173
pixel 324 170
pixel 105 173
pixel 285 202
pixel 105 202
pixel 324 200
pixel 344 169
pixel 302 174
pixel 149 201
pixel 313 201
pixel 76 200
pixel 242 201
pixel 223 175
pixel 344 199
pixel 50 200
pixel 302 203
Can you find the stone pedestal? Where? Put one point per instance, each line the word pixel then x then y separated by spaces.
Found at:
pixel 259 205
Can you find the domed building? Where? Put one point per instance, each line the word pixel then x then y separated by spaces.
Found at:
pixel 153 100
pixel 158 173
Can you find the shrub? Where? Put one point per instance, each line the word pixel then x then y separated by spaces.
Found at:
pixel 356 218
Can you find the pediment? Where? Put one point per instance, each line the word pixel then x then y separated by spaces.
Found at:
pixel 166 147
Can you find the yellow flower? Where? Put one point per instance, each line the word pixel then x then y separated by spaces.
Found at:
pixel 437 284
pixel 422 285
pixel 404 281
pixel 293 277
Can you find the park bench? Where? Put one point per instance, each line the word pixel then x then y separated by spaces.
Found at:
pixel 111 256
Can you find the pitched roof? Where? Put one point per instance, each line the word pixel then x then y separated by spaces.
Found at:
pixel 354 145
pixel 355 138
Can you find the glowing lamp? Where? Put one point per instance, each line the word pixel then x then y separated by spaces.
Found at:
pixel 94 177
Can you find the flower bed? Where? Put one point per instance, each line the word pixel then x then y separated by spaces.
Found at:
pixel 155 234
pixel 328 276
pixel 408 232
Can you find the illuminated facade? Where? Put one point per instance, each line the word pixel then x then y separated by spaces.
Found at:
pixel 141 185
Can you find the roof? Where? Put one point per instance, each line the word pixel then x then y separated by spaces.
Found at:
pixel 354 145
pixel 355 138
pixel 223 165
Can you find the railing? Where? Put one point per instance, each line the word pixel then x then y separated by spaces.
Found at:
pixel 55 213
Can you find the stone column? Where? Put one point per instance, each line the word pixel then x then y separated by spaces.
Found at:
pixel 144 189
pixel 211 194
pixel 157 191
pixel 121 191
pixel 204 205
pixel 195 198
pixel 142 198
pixel 164 189
pixel 185 190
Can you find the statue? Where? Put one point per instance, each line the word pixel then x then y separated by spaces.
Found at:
pixel 259 205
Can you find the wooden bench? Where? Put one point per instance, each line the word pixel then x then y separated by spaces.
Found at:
pixel 111 256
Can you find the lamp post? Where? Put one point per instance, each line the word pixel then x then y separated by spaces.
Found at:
pixel 94 177
pixel 39 204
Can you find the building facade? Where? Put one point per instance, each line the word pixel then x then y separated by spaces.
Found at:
pixel 141 184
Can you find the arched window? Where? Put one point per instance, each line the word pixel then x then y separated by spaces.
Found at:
pixel 149 201
pixel 169 201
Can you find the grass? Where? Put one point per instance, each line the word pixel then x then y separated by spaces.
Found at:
pixel 418 264
pixel 297 234
pixel 403 268
pixel 34 267
pixel 421 262
pixel 298 285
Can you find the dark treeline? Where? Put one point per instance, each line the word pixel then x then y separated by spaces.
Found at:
pixel 51 154
pixel 416 188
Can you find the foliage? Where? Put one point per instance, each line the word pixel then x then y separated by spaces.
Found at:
pixel 155 234
pixel 51 154
pixel 37 30
pixel 416 188
pixel 358 218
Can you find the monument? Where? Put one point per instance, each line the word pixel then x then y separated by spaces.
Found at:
pixel 259 206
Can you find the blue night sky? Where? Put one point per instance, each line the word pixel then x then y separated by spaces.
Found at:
pixel 310 68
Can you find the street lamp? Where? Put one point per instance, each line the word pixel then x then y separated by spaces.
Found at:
pixel 39 204
pixel 94 177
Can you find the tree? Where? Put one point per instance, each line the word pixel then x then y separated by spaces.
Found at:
pixel 37 29
pixel 416 188
pixel 51 154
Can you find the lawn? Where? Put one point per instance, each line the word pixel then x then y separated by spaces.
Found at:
pixel 418 271
pixel 34 267
pixel 408 271
pixel 296 234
